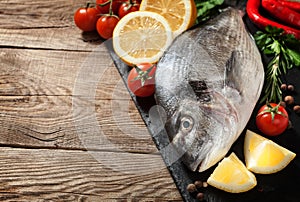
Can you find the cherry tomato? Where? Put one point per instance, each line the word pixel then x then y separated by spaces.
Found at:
pixel 105 9
pixel 86 18
pixel 140 79
pixel 106 25
pixel 126 8
pixel 269 125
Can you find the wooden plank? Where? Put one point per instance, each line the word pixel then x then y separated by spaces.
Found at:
pixel 67 38
pixel 61 175
pixel 55 97
pixel 65 99
pixel 43 25
pixel 24 14
pixel 48 72
pixel 56 121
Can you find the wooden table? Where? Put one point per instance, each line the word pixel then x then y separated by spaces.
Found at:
pixel 69 130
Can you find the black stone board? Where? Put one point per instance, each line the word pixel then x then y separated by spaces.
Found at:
pixel 283 186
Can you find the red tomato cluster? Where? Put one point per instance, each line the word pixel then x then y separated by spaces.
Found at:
pixel 104 16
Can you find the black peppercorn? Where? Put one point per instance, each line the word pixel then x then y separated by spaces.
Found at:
pixel 198 184
pixel 297 109
pixel 200 196
pixel 290 87
pixel 289 99
pixel 283 87
pixel 191 188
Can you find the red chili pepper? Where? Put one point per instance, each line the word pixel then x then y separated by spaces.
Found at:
pixel 282 13
pixel 252 9
pixel 294 5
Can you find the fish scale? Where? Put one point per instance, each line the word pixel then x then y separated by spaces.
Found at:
pixel 208 83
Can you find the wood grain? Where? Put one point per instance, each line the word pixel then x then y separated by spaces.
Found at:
pixel 68 38
pixel 60 175
pixel 40 107
pixel 48 72
pixel 51 121
pixel 69 129
pixel 43 25
pixel 37 13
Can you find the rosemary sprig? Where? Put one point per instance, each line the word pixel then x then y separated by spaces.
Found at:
pixel 206 9
pixel 284 51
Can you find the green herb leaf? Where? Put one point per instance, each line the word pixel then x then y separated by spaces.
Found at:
pixel 275 47
pixel 274 30
pixel 281 47
pixel 295 56
pixel 268 51
pixel 206 9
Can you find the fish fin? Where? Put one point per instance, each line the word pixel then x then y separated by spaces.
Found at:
pixel 233 76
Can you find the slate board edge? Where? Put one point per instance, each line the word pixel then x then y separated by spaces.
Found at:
pixel 182 180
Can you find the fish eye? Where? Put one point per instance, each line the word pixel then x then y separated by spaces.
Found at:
pixel 187 124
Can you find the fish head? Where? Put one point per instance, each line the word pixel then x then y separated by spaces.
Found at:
pixel 202 133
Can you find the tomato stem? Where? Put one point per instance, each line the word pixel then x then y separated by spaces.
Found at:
pixel 129 5
pixel 132 3
pixel 110 7
pixel 89 5
pixel 272 110
pixel 110 13
pixel 104 4
pixel 143 75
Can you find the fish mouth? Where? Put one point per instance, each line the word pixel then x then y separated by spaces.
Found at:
pixel 196 155
pixel 211 159
pixel 199 165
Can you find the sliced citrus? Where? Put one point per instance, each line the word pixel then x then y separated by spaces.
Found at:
pixel 181 14
pixel 231 175
pixel 264 156
pixel 141 36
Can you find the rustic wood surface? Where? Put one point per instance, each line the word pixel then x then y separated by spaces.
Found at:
pixel 69 130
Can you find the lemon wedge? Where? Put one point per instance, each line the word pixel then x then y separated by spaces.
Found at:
pixel 232 176
pixel 141 36
pixel 264 156
pixel 181 14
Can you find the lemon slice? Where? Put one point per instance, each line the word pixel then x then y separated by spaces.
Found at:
pixel 141 36
pixel 181 14
pixel 231 175
pixel 264 156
